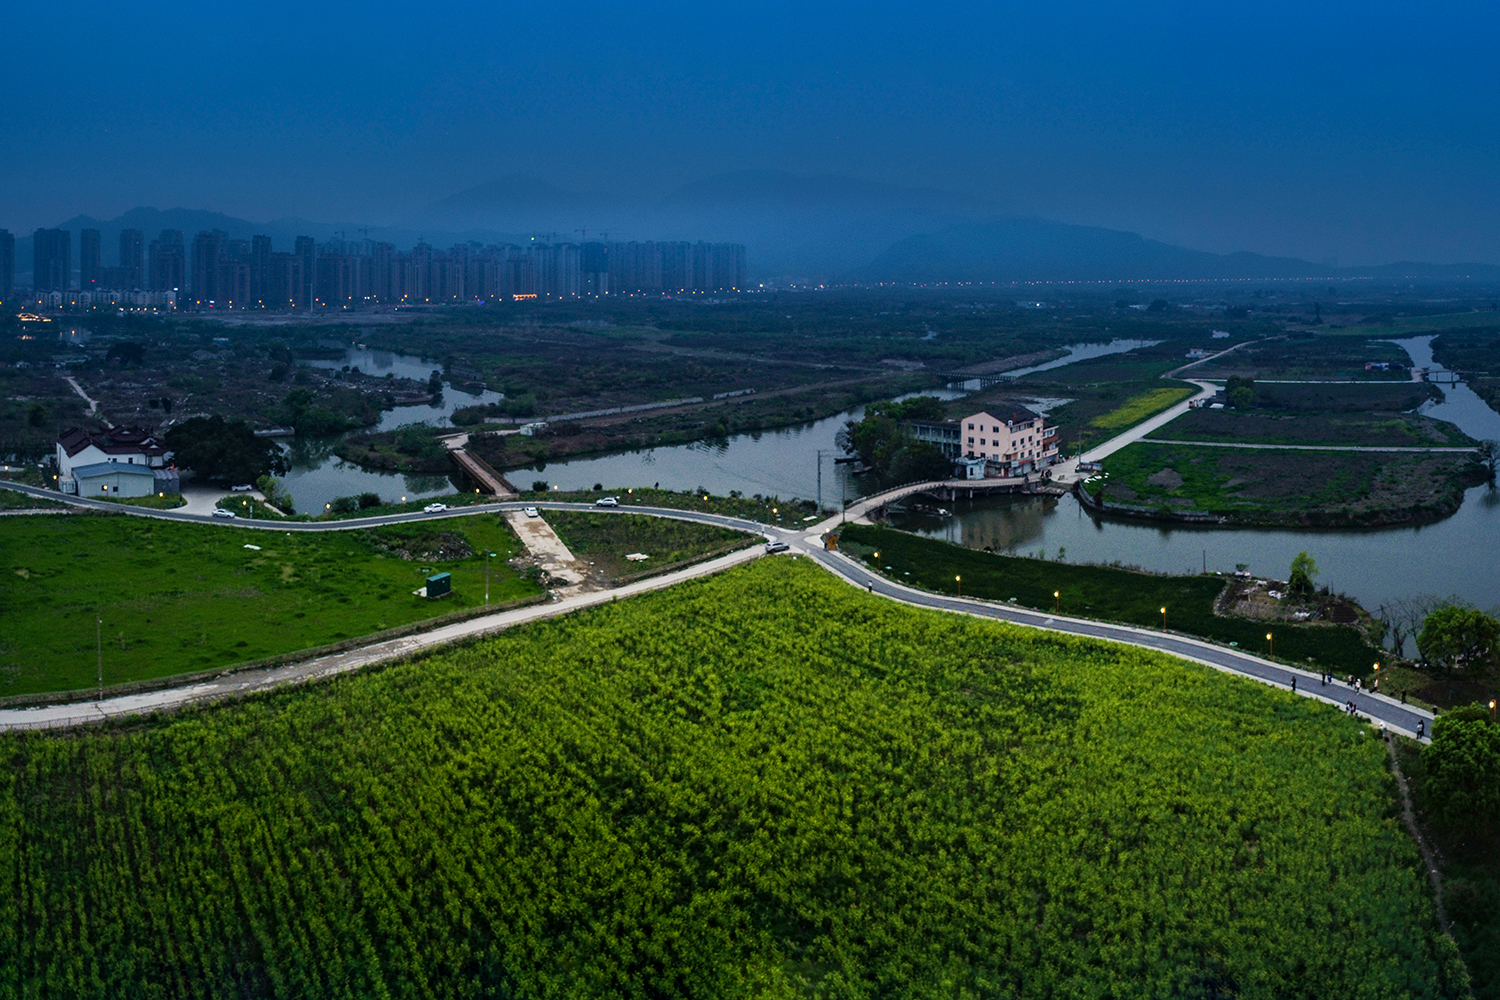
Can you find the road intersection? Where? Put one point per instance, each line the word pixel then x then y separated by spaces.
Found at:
pixel 802 542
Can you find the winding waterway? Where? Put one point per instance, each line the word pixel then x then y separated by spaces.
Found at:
pixel 1453 556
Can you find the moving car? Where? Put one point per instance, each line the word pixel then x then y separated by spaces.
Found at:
pixel 774 546
pixel 241 488
pixel 607 502
pixel 221 512
pixel 434 508
pixel 533 512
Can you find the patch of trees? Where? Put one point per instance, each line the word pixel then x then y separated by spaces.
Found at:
pixel 1463 769
pixel 1239 392
pixel 881 442
pixel 225 451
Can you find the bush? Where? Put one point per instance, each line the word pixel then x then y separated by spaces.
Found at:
pixel 1463 769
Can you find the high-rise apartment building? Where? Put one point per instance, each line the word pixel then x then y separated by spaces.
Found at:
pixel 132 258
pixel 260 272
pixel 306 250
pixel 88 259
pixel 51 260
pixel 168 262
pixel 7 265
pixel 210 251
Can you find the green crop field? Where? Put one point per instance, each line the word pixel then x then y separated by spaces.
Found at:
pixel 178 598
pixel 1380 430
pixel 1102 592
pixel 1139 407
pixel 765 783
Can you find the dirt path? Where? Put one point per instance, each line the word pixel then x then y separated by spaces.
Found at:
pixel 549 551
pixel 93 403
pixel 1409 819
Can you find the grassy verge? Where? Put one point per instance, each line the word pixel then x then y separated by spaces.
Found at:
pixel 1470 866
pixel 16 500
pixel 1102 592
pixel 763 783
pixel 1317 488
pixel 242 505
pixel 604 540
pixel 766 510
pixel 169 501
pixel 178 598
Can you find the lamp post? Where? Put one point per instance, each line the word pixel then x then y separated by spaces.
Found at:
pixel 487 556
pixel 99 640
pixel 1271 642
pixel 1163 619
pixel 1376 685
pixel 958 581
pixel 877 562
pixel 1057 602
pixel 1492 710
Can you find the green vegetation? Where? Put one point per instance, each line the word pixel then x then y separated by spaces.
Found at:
pixel 882 443
pixel 16 500
pixel 160 501
pixel 177 598
pixel 1311 356
pixel 1458 638
pixel 410 448
pixel 760 784
pixel 1379 430
pixel 604 540
pixel 765 509
pixel 243 505
pixel 1102 592
pixel 224 451
pixel 1140 407
pixel 1456 785
pixel 1476 353
pixel 1253 486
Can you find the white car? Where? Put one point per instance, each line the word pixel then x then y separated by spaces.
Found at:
pixel 532 512
pixel 221 512
pixel 776 546
pixel 241 488
pixel 607 502
pixel 435 508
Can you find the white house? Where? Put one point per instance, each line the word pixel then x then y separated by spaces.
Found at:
pixel 81 452
pixel 1016 441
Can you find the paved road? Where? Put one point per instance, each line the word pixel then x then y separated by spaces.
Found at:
pixel 1403 719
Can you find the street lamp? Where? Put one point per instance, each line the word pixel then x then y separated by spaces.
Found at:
pixel 1376 686
pixel 487 556
pixel 1163 619
pixel 99 638
pixel 959 582
pixel 1057 602
pixel 1271 642
pixel 1492 710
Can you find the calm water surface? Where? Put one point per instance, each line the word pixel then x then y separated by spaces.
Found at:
pixel 1456 555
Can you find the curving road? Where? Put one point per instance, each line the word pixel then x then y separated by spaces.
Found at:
pixel 801 541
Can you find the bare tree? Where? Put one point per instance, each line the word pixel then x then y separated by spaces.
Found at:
pixel 1404 616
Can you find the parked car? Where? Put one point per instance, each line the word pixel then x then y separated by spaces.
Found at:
pixel 241 488
pixel 607 502
pixel 533 512
pixel 776 547
pixel 435 508
pixel 221 512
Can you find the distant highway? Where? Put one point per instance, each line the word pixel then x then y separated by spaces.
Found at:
pixel 806 542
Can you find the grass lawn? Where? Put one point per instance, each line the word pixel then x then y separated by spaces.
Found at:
pixel 1324 488
pixel 178 598
pixel 16 500
pixel 169 501
pixel 1324 356
pixel 1102 592
pixel 1388 430
pixel 604 540
pixel 764 783
pixel 764 509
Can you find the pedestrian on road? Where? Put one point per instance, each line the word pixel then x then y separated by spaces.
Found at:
pixel 871 585
pixel 1403 696
pixel 1421 725
pixel 1294 685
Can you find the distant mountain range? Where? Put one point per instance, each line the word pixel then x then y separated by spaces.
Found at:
pixel 799 228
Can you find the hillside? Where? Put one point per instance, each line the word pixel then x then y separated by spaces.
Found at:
pixel 761 783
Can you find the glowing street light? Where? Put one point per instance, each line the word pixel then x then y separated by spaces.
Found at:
pixel 1057 601
pixel 1163 619
pixel 1272 643
pixel 959 582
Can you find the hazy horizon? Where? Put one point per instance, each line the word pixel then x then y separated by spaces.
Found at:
pixel 1345 135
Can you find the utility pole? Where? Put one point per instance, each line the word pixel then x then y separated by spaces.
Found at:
pixel 99 639
pixel 487 555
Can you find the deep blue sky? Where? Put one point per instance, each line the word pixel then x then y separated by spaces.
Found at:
pixel 1360 132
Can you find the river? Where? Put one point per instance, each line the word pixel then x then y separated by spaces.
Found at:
pixel 1453 556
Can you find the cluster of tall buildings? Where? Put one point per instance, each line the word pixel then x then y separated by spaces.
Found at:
pixel 217 272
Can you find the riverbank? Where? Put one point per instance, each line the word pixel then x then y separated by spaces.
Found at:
pixel 1109 594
